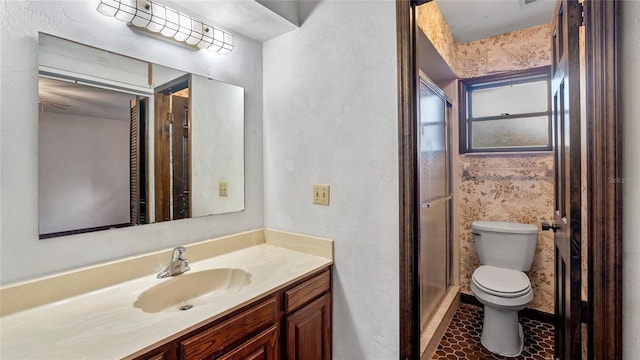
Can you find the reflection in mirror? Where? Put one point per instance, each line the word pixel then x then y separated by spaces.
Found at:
pixel 218 136
pixel 84 152
pixel 172 150
pixel 123 142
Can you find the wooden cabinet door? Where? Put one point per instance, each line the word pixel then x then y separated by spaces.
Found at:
pixel 261 347
pixel 308 331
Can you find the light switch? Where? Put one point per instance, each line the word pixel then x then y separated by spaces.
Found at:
pixel 321 194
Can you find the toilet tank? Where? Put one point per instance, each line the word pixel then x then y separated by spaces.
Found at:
pixel 505 244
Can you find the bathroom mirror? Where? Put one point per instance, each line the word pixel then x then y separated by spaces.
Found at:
pixel 124 142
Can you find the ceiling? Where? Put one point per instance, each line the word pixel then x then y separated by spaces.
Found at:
pixel 260 20
pixel 471 20
pixel 74 99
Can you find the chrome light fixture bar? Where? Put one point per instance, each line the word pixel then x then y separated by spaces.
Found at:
pixel 150 16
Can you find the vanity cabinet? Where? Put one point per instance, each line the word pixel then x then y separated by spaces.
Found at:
pixel 308 325
pixel 290 323
pixel 309 331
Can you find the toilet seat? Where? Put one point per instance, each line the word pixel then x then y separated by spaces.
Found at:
pixel 502 282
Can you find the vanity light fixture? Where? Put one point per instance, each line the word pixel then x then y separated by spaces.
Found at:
pixel 153 17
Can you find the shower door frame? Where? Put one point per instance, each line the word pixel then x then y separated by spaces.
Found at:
pixel 448 196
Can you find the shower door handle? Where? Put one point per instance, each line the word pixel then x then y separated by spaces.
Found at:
pixel 438 200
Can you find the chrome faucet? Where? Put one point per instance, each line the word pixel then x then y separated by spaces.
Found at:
pixel 178 263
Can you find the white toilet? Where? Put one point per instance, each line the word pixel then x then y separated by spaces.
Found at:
pixel 505 250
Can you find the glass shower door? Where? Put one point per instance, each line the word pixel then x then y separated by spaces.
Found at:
pixel 434 167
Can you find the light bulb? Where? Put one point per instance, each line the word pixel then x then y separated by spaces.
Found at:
pixel 207 37
pixel 228 44
pixel 196 33
pixel 184 27
pixel 108 7
pixel 126 10
pixel 143 14
pixel 158 18
pixel 172 24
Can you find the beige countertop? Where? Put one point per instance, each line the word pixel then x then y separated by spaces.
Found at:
pixel 104 324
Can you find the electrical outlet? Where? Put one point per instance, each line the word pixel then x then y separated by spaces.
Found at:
pixel 321 194
pixel 223 190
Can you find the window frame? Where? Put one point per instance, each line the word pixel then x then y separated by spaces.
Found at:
pixel 489 81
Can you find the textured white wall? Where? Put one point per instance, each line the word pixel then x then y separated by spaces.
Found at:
pixel 330 117
pixel 23 256
pixel 83 172
pixel 630 79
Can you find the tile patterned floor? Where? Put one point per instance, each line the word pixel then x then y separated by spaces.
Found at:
pixel 462 338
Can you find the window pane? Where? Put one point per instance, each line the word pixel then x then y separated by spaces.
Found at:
pixel 510 99
pixel 521 132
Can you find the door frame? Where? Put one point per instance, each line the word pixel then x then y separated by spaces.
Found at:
pixel 604 194
pixel 408 181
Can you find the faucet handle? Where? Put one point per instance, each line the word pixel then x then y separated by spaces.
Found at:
pixel 178 253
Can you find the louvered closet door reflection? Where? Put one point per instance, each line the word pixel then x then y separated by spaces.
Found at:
pixel 138 161
pixel 134 151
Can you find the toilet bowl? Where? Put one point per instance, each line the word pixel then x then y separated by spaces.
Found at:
pixel 501 331
pixel 505 251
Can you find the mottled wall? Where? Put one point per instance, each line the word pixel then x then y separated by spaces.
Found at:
pixel 434 26
pixel 517 50
pixel 523 49
pixel 514 187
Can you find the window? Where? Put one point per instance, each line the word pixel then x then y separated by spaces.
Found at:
pixel 506 112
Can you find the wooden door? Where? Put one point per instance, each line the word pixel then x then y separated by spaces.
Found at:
pixel 161 157
pixel 180 159
pixel 309 331
pixel 565 94
pixel 171 145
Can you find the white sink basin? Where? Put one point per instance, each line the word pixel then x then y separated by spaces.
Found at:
pixel 191 289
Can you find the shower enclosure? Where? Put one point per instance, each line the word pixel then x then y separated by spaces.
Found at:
pixel 435 197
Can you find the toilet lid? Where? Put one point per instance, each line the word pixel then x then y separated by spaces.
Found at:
pixel 500 281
